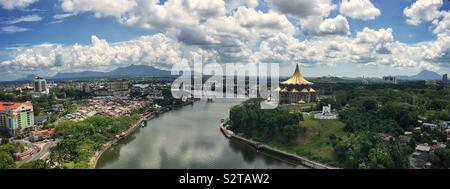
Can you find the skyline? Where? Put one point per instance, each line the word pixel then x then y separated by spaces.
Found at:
pixel 326 37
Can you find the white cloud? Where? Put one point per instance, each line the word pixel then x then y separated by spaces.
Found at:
pixel 359 9
pixel 423 11
pixel 27 18
pixel 443 26
pixel 379 41
pixel 62 16
pixel 229 31
pixel 303 8
pixel 335 26
pixel 100 7
pixel 157 50
pixel 16 4
pixel 13 29
pixel 309 13
pixel 234 4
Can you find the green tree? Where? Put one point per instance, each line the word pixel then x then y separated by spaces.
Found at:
pixel 441 158
pixel 6 161
pixel 38 164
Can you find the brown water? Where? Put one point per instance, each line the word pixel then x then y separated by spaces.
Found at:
pixel 186 138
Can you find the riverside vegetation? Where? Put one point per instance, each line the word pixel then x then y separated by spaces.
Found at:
pixel 352 141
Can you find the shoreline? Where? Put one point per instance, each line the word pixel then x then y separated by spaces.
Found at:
pixel 273 152
pixel 144 117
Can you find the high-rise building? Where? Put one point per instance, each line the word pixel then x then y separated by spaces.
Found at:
pixel 16 115
pixel 40 86
pixel 119 87
pixel 390 79
pixel 445 78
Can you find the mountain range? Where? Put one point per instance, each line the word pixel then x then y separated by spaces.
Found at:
pixel 423 75
pixel 144 70
pixel 129 71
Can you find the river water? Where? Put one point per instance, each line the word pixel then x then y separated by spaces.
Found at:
pixel 186 138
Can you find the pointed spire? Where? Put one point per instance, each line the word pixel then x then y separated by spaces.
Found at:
pixel 297 70
pixel 297 78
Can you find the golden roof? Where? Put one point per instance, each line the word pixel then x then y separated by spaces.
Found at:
pixel 294 91
pixel 284 90
pixel 304 90
pixel 297 79
pixel 311 90
pixel 278 89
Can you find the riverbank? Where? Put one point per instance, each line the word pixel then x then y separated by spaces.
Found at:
pixel 273 152
pixel 144 117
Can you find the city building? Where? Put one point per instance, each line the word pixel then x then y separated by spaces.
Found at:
pixel 297 89
pixel 120 87
pixel 39 87
pixel 39 121
pixel 326 113
pixel 390 79
pixel 86 88
pixel 445 78
pixel 57 108
pixel 16 115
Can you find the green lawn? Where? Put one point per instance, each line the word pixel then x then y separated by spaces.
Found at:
pixel 313 142
pixel 297 107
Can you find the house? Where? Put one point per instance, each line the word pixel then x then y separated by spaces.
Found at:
pixel 41 135
pixel 40 120
pixel 423 148
pixel 430 125
pixel 421 157
pixel 57 108
pixel 404 139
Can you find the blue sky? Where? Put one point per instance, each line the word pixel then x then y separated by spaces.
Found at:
pixel 52 40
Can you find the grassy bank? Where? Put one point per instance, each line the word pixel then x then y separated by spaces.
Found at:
pixel 314 140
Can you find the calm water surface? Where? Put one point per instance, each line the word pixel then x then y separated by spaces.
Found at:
pixel 186 138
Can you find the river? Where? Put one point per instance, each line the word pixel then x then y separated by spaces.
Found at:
pixel 186 138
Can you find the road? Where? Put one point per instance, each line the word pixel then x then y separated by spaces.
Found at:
pixel 42 150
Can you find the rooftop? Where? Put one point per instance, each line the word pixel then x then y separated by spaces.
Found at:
pixel 12 105
pixel 297 78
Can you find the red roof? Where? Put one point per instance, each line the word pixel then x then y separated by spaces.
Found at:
pixel 13 105
pixel 49 132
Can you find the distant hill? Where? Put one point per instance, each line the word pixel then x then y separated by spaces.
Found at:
pixel 423 75
pixel 129 71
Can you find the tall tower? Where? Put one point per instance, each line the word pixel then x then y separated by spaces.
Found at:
pixel 40 85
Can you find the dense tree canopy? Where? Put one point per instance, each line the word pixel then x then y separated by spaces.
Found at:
pixel 264 124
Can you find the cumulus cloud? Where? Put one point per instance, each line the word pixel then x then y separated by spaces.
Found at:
pixel 423 11
pixel 379 41
pixel 359 9
pixel 335 26
pixel 234 4
pixel 303 8
pixel 443 26
pixel 157 50
pixel 310 13
pixel 100 7
pixel 227 32
pixel 16 4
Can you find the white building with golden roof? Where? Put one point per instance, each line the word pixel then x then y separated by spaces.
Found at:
pixel 297 90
